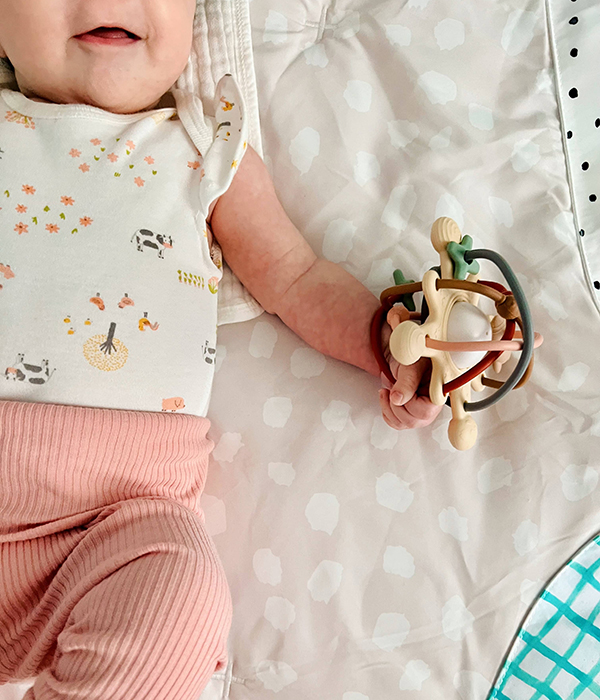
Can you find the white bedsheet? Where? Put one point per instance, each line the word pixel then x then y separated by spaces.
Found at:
pixel 366 563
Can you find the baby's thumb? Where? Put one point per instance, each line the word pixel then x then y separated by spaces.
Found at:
pixel 407 383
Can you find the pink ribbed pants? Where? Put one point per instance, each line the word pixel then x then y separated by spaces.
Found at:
pixel 110 586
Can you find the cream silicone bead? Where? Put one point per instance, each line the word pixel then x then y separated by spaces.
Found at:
pixel 462 432
pixel 443 231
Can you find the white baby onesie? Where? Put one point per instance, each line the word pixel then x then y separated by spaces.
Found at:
pixel 108 277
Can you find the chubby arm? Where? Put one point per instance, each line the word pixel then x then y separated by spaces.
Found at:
pixel 321 302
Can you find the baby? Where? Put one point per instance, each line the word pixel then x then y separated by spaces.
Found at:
pixel 110 586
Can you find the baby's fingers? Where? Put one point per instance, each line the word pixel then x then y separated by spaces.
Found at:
pixel 386 410
pixel 420 408
pixel 398 417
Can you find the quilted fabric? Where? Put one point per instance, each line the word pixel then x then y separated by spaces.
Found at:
pixel 366 563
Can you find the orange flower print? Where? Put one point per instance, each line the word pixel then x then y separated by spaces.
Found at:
pixel 52 228
pixel 74 153
pixel 19 118
pixel 130 145
pixel 113 157
pixel 195 165
pixel 28 189
pixel 67 201
pixel 21 209
pixel 21 228
pixel 149 160
pixel 84 167
pixel 96 142
pixel 139 182
pixel 86 221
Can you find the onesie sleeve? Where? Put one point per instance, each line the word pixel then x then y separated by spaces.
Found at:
pixel 223 141
pixel 229 145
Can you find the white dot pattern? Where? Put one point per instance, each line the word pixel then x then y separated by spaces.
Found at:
pixel 390 565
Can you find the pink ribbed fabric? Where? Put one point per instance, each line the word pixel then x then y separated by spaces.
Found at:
pixel 110 586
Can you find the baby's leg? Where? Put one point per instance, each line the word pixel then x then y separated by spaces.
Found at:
pixel 141 609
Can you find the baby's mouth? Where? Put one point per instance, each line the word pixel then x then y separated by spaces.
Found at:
pixel 115 36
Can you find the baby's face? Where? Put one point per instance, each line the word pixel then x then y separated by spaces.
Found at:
pixel 56 61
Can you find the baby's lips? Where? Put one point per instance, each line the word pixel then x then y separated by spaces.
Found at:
pixel 109 32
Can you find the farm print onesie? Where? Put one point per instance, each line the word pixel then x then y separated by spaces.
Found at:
pixel 110 586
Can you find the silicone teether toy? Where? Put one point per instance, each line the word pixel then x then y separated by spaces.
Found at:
pixel 460 339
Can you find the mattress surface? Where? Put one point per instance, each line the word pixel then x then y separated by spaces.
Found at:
pixel 367 563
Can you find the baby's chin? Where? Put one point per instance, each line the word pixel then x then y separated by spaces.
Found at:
pixel 108 103
pixel 128 108
pixel 128 105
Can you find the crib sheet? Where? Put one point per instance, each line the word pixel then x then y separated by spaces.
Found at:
pixel 366 563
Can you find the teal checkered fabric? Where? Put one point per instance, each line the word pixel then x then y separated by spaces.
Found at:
pixel 556 655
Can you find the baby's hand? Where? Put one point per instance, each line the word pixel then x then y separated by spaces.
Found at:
pixel 406 403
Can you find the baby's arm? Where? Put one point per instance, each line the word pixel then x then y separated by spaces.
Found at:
pixel 321 302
